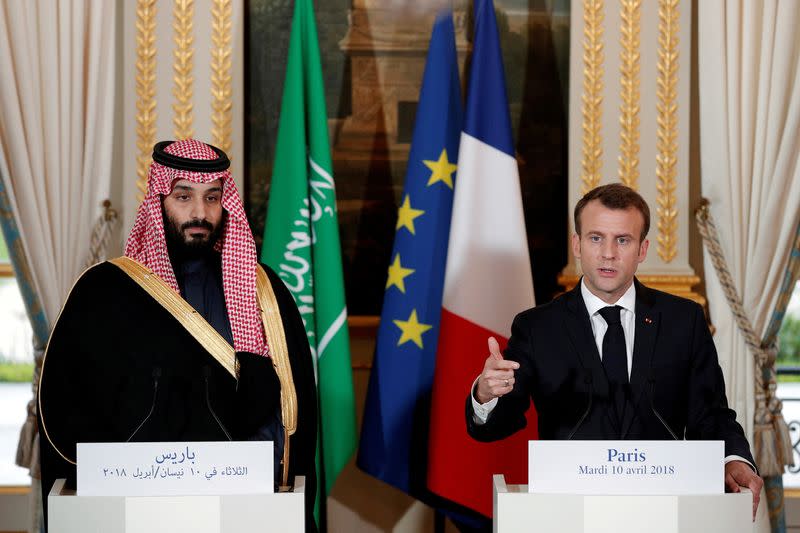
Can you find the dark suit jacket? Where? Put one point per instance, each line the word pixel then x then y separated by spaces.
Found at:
pixel 674 364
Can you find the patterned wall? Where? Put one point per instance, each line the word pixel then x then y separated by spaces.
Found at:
pixel 629 120
pixel 183 73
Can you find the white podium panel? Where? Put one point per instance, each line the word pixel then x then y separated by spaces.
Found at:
pixel 175 468
pixel 517 510
pixel 643 467
pixel 279 512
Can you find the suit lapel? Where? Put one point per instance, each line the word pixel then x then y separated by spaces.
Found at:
pixel 579 330
pixel 646 328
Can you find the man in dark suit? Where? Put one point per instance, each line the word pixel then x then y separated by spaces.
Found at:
pixel 611 357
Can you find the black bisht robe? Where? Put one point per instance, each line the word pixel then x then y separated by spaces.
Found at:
pixel 108 347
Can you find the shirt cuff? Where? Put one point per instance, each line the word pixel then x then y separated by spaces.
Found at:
pixel 480 411
pixel 731 458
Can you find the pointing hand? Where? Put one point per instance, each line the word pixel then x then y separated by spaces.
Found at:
pixel 497 377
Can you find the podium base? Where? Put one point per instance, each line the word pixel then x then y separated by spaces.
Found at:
pixel 517 510
pixel 70 513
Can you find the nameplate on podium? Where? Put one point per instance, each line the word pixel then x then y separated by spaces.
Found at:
pixel 626 467
pixel 175 468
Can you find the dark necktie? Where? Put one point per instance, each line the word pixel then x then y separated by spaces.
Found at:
pixel 615 359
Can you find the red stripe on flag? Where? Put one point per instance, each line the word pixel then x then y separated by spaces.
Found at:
pixel 459 467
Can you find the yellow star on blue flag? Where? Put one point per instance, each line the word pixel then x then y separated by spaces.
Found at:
pixel 398 274
pixel 441 170
pixel 406 215
pixel 412 329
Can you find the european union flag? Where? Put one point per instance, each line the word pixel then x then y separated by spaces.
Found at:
pixel 394 435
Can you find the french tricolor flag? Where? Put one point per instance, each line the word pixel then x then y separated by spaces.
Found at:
pixel 487 282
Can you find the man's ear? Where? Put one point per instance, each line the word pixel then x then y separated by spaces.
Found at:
pixel 643 250
pixel 576 245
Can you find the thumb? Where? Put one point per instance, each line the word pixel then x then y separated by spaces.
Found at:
pixel 494 349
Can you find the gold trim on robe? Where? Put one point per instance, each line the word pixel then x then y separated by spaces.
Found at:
pixel 184 313
pixel 279 352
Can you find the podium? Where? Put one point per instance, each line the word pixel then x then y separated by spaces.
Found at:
pixel 280 511
pixel 517 510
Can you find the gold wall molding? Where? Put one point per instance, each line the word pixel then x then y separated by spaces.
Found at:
pixel 183 81
pixel 6 270
pixel 592 98
pixel 630 94
pixel 673 284
pixel 667 135
pixel 145 90
pixel 15 490
pixel 221 79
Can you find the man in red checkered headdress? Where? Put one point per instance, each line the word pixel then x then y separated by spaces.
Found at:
pixel 191 227
pixel 168 342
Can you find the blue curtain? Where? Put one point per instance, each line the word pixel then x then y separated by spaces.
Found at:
pixel 22 271
pixel 774 484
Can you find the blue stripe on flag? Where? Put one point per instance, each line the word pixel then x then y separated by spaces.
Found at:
pixel 487 115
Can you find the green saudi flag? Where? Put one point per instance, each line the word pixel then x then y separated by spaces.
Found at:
pixel 301 243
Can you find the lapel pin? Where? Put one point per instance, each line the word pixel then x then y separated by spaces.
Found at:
pixel 648 320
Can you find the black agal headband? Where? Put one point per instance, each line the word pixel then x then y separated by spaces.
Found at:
pixel 192 165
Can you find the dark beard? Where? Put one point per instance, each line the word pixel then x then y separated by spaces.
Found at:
pixel 181 248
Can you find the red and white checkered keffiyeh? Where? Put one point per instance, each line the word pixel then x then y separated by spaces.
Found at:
pixel 147 243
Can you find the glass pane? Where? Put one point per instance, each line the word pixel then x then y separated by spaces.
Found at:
pixel 789 380
pixel 3 249
pixel 16 371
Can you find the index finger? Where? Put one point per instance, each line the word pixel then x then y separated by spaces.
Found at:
pixel 494 349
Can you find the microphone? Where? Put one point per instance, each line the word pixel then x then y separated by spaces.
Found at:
pixel 156 376
pixel 206 375
pixel 652 380
pixel 588 381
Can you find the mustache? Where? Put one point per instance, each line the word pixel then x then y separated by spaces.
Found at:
pixel 204 224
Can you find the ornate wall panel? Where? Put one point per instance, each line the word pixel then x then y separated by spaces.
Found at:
pixel 592 97
pixel 630 81
pixel 145 90
pixel 667 109
pixel 183 73
pixel 633 127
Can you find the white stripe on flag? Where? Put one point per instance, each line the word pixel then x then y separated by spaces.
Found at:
pixel 488 278
pixel 331 332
